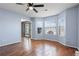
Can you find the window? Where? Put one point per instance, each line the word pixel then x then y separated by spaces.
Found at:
pixel 39 27
pixel 61 27
pixel 50 27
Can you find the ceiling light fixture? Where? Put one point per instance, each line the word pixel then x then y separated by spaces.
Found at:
pixel 31 8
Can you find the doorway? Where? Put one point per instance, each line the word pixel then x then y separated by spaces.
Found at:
pixel 26 29
pixel 26 34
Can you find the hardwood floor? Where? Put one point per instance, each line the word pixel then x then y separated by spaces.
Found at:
pixel 37 48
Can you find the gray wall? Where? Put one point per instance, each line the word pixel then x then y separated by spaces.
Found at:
pixel 72 27
pixel 10 27
pixel 78 27
pixel 70 16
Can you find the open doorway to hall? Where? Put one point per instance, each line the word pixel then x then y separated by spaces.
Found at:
pixel 26 34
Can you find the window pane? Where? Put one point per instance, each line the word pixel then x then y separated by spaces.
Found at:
pixel 50 27
pixel 39 27
pixel 61 27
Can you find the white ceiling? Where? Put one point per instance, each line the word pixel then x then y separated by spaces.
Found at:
pixel 53 9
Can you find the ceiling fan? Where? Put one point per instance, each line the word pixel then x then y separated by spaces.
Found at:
pixel 31 6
